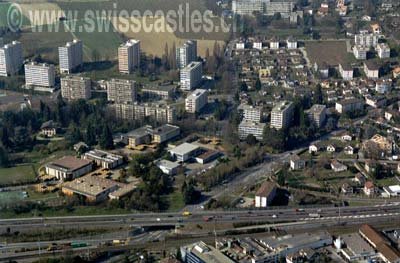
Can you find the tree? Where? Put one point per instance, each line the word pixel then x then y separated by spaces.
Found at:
pixel 90 137
pixel 4 162
pixel 258 84
pixel 106 139
pixel 190 193
pixel 251 140
pixel 281 180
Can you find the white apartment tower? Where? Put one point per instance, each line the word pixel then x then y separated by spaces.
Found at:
pixel 70 56
pixel 281 115
pixel 121 91
pixel 186 53
pixel 129 56
pixel 190 76
pixel 11 59
pixel 75 87
pixel 196 100
pixel 40 76
pixel 252 113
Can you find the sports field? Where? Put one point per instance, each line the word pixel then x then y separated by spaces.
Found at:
pixel 331 52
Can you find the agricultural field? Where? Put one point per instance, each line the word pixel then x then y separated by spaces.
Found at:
pixel 331 52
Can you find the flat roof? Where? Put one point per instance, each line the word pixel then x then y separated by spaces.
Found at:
pixel 91 185
pixel 69 163
pixel 166 128
pixel 140 132
pixel 184 148
pixel 167 164
pixel 357 244
pixel 196 93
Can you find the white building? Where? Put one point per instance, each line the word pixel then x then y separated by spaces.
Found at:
pixel 70 56
pixel 196 100
pixel 104 159
pixel 254 128
pixel 129 56
pixel 258 45
pixel 349 105
pixel 360 52
pixel 366 39
pixel 68 168
pixel 184 151
pixel 40 76
pixel 247 7
pixel 121 91
pixel 186 53
pixel 281 115
pixel 252 113
pixel 11 58
pixel 291 43
pixel 168 167
pixel 265 194
pixel 383 50
pixel 371 69
pixel 76 87
pixel 346 72
pixel 190 76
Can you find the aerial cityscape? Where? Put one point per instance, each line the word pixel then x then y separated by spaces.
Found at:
pixel 199 131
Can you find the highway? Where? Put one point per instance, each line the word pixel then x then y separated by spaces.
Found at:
pixel 233 216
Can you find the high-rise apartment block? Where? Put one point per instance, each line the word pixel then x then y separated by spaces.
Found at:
pixel 40 76
pixel 70 56
pixel 191 75
pixel 129 56
pixel 186 53
pixel 196 100
pixel 159 112
pixel 281 115
pixel 75 87
pixel 121 91
pixel 317 114
pixel 252 113
pixel 11 58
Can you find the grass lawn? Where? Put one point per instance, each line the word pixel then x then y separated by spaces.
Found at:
pixel 175 201
pixel 18 174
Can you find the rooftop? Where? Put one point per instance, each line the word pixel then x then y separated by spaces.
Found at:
pixel 166 128
pixel 69 163
pixel 266 188
pixel 184 148
pixel 91 185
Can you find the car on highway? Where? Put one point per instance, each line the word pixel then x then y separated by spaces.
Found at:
pixel 158 219
pixel 186 213
pixel 274 216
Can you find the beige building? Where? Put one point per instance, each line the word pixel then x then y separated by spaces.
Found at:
pixel 165 133
pixel 129 56
pixel 121 91
pixel 281 115
pixel 247 128
pixel 11 59
pixel 68 168
pixel 40 76
pixel 317 114
pixel 76 87
pixel 196 100
pixel 70 56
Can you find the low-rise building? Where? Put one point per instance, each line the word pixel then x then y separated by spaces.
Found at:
pixel 371 70
pixel 369 188
pixel 68 168
pixel 164 92
pixel 185 151
pixel 139 136
pixel 168 167
pixel 296 163
pixel 165 133
pixel 93 188
pixel 346 71
pixel 383 50
pixel 104 159
pixel 49 129
pixel 200 252
pixel 338 167
pixel 349 105
pixel 360 52
pixel 355 248
pixel 291 43
pixel 392 190
pixel 265 194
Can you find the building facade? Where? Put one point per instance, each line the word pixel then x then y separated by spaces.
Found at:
pixel 121 91
pixel 129 56
pixel 281 115
pixel 40 76
pixel 196 100
pixel 76 87
pixel 70 56
pixel 11 59
pixel 186 53
pixel 190 76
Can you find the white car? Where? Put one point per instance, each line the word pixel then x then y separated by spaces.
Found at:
pixel 158 219
pixel 274 216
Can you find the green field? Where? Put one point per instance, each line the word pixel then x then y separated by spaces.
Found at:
pixel 17 175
